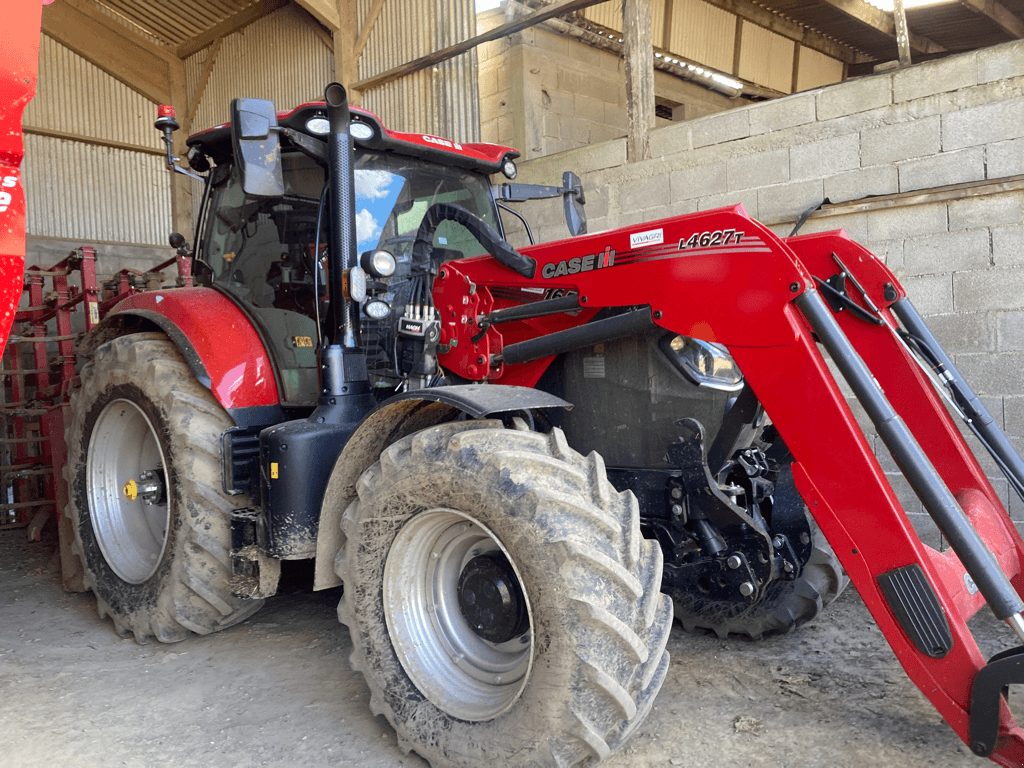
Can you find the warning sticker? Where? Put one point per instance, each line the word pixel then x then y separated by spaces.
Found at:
pixel 593 367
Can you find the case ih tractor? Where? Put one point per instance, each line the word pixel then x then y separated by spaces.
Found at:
pixel 519 462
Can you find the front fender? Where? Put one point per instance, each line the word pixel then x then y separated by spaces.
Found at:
pixel 216 339
pixel 396 418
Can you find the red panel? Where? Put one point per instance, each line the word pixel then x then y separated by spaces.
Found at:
pixel 240 370
pixel 19 57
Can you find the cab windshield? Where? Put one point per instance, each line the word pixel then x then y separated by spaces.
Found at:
pixel 262 252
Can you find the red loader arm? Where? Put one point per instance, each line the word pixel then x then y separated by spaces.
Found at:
pixel 722 277
pixel 19 57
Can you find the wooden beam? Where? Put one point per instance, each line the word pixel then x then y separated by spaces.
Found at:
pixel 882 22
pixel 794 83
pixel 899 18
pixel 737 46
pixel 115 52
pixel 638 38
pixel 325 11
pixel 1009 22
pixel 197 97
pixel 367 28
pixel 808 38
pixel 666 25
pixel 181 186
pixel 232 24
pixel 510 28
pixel 65 136
pixel 346 61
pixel 326 35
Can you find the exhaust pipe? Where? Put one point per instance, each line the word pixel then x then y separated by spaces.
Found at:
pixel 345 313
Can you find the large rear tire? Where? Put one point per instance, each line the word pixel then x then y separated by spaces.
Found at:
pixel 503 606
pixel 151 523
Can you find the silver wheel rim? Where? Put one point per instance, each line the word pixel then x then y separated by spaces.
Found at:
pixel 458 671
pixel 132 535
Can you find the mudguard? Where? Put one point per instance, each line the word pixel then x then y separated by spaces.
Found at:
pixel 394 419
pixel 216 339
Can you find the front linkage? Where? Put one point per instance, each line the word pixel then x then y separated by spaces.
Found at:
pixel 770 302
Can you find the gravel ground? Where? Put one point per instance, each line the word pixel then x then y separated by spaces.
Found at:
pixel 277 691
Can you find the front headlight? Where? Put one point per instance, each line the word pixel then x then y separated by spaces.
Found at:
pixel 705 364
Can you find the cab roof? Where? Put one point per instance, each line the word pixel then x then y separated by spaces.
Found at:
pixel 480 157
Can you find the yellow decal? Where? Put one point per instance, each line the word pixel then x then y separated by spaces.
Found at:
pixel 94 312
pixel 131 490
pixel 302 341
pixel 273 470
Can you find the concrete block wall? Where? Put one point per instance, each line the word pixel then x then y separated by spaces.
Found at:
pixel 542 92
pixel 924 166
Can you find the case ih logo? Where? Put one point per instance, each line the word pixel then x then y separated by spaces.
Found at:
pixel 589 263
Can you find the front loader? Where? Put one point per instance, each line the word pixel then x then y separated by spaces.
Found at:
pixel 518 463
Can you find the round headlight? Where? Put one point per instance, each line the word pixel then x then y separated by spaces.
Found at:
pixel 360 131
pixel 509 168
pixel 318 125
pixel 377 309
pixel 378 263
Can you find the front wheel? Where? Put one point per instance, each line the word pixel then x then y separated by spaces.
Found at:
pixel 503 606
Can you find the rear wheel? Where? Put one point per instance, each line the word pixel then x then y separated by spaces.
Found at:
pixel 151 523
pixel 503 607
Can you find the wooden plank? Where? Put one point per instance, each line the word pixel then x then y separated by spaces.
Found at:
pixel 638 38
pixel 366 28
pixel 39 131
pixel 346 62
pixel 1009 22
pixel 430 60
pixel 239 21
pixel 737 47
pixel 325 11
pixel 794 83
pixel 882 22
pixel 113 51
pixel 899 18
pixel 204 78
pixel 666 25
pixel 790 30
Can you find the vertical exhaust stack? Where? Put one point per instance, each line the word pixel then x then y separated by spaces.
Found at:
pixel 296 457
pixel 343 215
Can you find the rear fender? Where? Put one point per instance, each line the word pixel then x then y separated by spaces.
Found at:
pixel 214 336
pixel 394 419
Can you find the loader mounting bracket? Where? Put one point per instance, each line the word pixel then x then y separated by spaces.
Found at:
pixel 991 686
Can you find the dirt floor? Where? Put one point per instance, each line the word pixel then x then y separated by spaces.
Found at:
pixel 277 691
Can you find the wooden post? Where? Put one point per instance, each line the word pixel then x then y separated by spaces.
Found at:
pixel 346 60
pixel 639 50
pixel 899 16
pixel 181 186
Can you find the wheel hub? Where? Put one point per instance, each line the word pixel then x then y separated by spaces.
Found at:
pixel 490 598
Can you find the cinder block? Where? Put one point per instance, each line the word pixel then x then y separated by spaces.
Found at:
pixel 1008 246
pixel 782 113
pixel 992 374
pixel 856 185
pixel 696 182
pixel 588 108
pixel 943 169
pixel 1006 158
pixel 926 529
pixel 987 211
pixel 785 202
pixel 911 504
pixel 671 140
pixel 908 221
pixel 854 224
pixel 890 252
pixel 643 194
pixel 721 127
pixel 1000 62
pixel 964 331
pixel 949 74
pixel 1013 415
pixel 991 289
pixel 603 132
pixel 576 130
pixel 757 170
pixel 901 141
pixel 825 158
pixel 552 43
pixel 616 116
pixel 853 96
pixel 552 125
pixel 1010 332
pixel 746 198
pixel 488 82
pixel 931 294
pixel 983 125
pixel 947 252
pixel 561 103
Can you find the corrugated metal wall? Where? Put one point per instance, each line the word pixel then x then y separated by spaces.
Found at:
pixel 278 57
pixel 76 189
pixel 817 69
pixel 766 58
pixel 442 100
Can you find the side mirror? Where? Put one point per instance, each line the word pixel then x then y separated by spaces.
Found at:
pixel 254 136
pixel 574 200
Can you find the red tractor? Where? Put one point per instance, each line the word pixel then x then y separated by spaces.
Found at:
pixel 368 376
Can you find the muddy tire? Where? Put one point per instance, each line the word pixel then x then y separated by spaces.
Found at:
pixel 157 551
pixel 785 605
pixel 503 606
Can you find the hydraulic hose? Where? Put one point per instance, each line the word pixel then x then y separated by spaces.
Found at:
pixel 485 234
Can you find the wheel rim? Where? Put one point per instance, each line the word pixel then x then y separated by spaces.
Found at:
pixel 131 527
pixel 453 665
